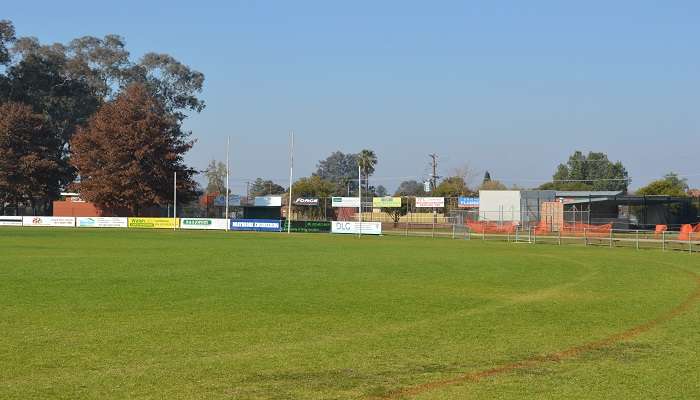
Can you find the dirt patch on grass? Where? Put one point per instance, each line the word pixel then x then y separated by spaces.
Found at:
pixel 540 361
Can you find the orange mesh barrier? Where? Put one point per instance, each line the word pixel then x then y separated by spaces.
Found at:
pixel 688 231
pixel 491 227
pixel 587 230
pixel 660 229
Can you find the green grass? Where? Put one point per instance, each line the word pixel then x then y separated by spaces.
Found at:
pixel 213 315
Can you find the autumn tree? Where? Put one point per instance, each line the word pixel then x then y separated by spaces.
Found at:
pixel 127 154
pixel 30 164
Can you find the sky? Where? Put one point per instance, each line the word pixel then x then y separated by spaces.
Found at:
pixel 512 87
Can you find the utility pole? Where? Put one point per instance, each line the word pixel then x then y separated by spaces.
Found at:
pixel 434 177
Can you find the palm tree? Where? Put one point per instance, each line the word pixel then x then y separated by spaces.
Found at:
pixel 367 160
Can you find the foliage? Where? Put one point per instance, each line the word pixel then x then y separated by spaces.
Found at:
pixel 589 172
pixel 367 159
pixel 410 188
pixel 7 36
pixel 493 185
pixel 487 177
pixel 670 185
pixel 216 177
pixel 31 167
pixel 262 187
pixel 127 154
pixel 313 186
pixel 453 186
pixel 341 169
pixel 380 191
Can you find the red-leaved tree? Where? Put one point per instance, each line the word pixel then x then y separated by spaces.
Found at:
pixel 128 152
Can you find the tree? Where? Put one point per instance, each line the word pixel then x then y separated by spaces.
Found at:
pixel 487 177
pixel 261 187
pixel 341 169
pixel 7 36
pixel 589 172
pixel 30 166
pixel 410 188
pixel 380 191
pixel 216 177
pixel 452 186
pixel 313 186
pixel 670 185
pixel 127 154
pixel 493 185
pixel 367 160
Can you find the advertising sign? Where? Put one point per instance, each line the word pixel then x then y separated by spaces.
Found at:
pixel 366 228
pixel 308 226
pixel 468 202
pixel 10 221
pixel 387 202
pixel 48 221
pixel 353 202
pixel 268 201
pixel 259 225
pixel 101 222
pixel 430 202
pixel 303 201
pixel 203 223
pixel 234 200
pixel 153 223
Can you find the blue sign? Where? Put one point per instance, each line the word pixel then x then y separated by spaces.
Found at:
pixel 468 202
pixel 259 225
pixel 234 200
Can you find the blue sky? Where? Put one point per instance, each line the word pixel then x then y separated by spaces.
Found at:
pixel 512 87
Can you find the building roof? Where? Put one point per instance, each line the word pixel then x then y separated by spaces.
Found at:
pixel 588 193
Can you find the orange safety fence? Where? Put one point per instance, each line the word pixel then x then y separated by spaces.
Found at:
pixel 660 229
pixel 688 231
pixel 491 227
pixel 587 230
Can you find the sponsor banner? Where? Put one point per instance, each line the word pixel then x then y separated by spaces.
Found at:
pixel 48 221
pixel 153 223
pixel 353 202
pixel 260 225
pixel 10 221
pixel 386 202
pixel 203 223
pixel 366 228
pixel 268 201
pixel 101 222
pixel 234 200
pixel 468 202
pixel 430 202
pixel 303 201
pixel 308 226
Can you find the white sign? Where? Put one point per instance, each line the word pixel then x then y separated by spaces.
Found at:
pixel 48 221
pixel 203 223
pixel 101 222
pixel 353 202
pixel 366 228
pixel 268 201
pixel 10 221
pixel 430 202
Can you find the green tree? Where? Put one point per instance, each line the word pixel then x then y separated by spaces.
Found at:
pixel 453 186
pixel 341 169
pixel 128 152
pixel 216 177
pixel 487 177
pixel 7 36
pixel 313 186
pixel 380 191
pixel 670 185
pixel 493 185
pixel 263 187
pixel 367 160
pixel 410 188
pixel 589 172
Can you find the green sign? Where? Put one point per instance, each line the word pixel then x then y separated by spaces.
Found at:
pixel 308 226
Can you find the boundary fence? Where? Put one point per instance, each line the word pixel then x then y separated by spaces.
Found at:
pixel 686 240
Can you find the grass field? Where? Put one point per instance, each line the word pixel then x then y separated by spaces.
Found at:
pixel 213 315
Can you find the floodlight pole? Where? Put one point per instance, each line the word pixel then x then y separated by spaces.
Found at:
pixel 174 200
pixel 291 175
pixel 228 143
